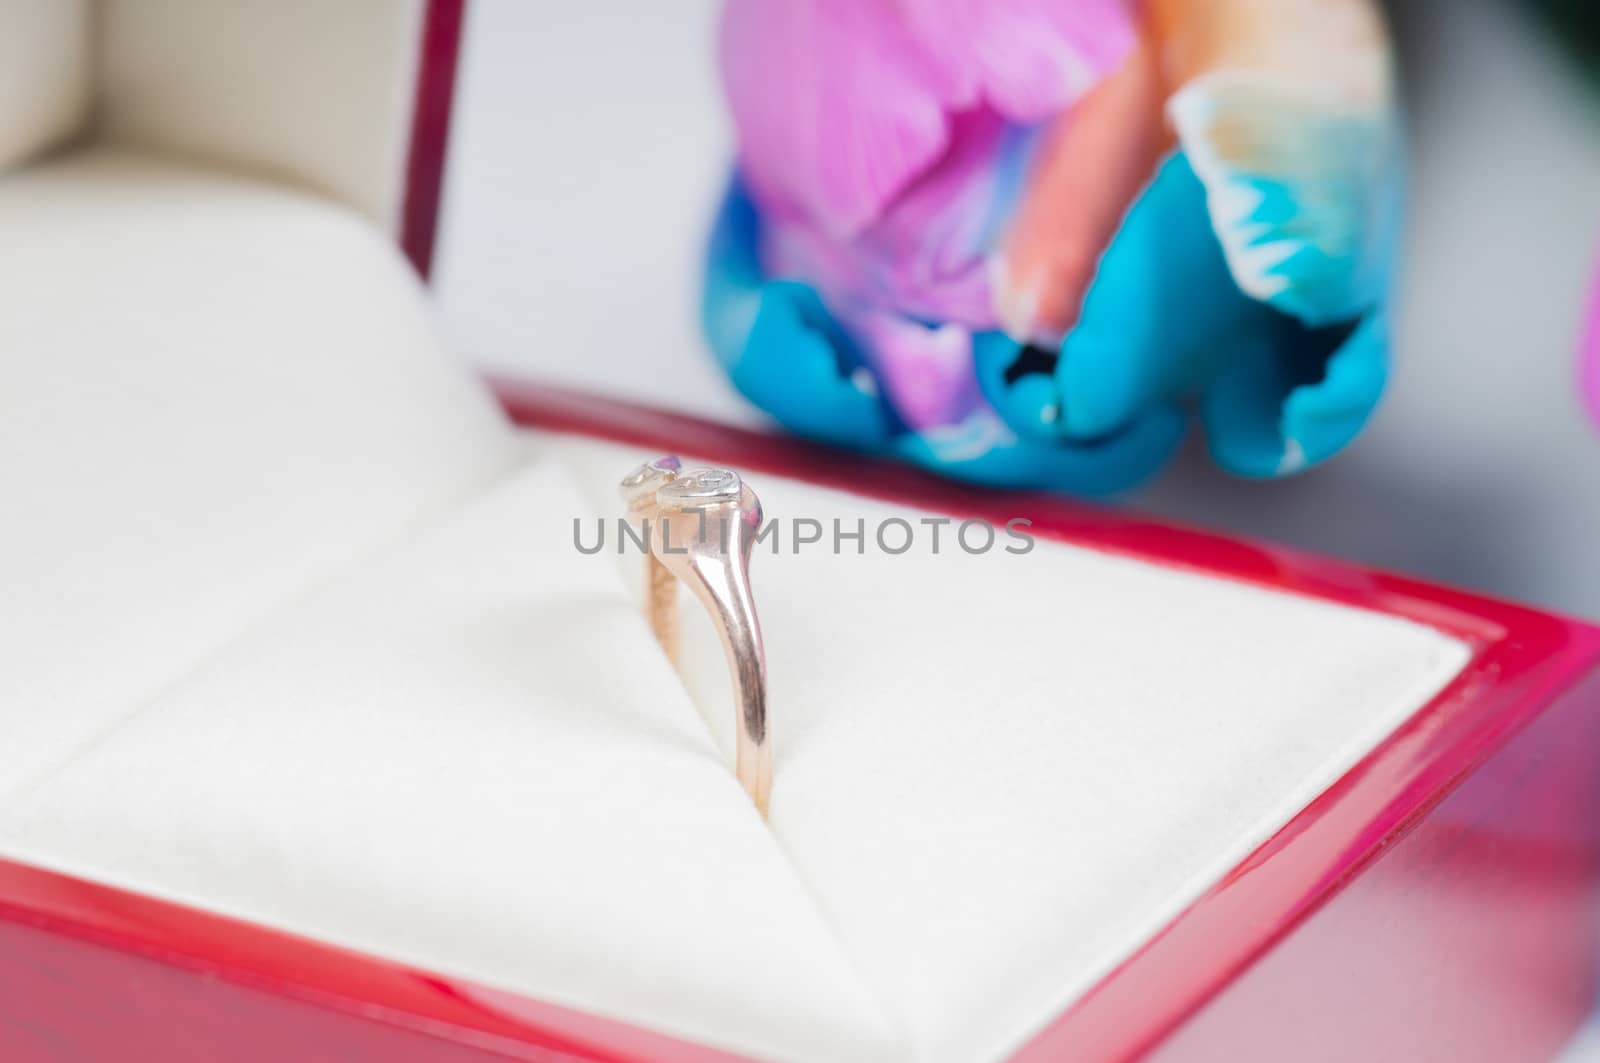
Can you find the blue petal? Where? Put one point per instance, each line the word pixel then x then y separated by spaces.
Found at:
pixel 1305 197
pixel 1159 315
pixel 1295 396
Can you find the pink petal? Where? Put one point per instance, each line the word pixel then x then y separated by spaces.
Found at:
pixel 836 107
pixel 840 104
pixel 927 256
pixel 1028 59
pixel 926 373
pixel 930 250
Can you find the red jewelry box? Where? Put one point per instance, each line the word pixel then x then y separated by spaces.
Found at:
pixel 1436 900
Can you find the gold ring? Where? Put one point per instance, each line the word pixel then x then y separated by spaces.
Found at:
pixel 700 526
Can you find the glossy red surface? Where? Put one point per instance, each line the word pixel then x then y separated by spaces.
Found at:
pixel 1472 939
pixel 430 130
pixel 92 973
pixel 1458 859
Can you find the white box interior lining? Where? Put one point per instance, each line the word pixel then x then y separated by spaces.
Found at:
pixel 435 731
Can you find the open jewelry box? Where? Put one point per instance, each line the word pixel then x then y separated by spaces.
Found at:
pixel 322 740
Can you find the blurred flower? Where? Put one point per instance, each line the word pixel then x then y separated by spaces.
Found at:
pixel 1023 240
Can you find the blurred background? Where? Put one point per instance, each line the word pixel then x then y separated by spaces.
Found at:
pixel 587 153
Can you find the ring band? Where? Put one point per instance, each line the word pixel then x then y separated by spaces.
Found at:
pixel 700 527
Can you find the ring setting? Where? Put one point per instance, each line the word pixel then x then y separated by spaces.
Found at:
pixel 700 529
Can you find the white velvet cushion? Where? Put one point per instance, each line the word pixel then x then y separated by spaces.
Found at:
pixel 45 74
pixel 406 715
pixel 212 394
pixel 315 93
